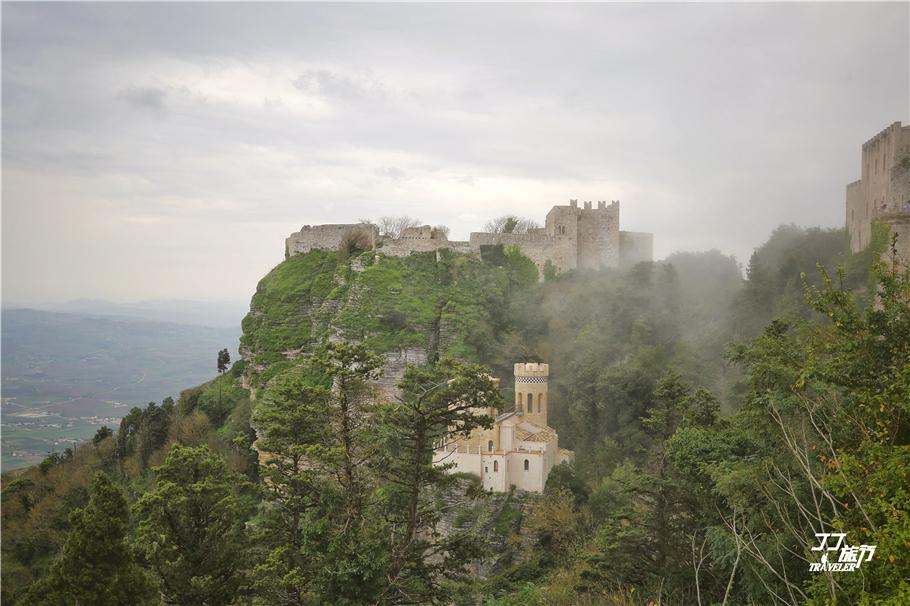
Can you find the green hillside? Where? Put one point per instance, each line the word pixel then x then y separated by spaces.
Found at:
pixel 690 394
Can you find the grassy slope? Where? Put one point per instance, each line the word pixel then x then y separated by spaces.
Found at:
pixel 448 304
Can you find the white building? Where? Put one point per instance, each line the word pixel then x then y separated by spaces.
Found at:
pixel 520 449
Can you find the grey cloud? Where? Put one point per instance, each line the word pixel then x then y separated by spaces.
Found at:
pixel 712 123
pixel 145 97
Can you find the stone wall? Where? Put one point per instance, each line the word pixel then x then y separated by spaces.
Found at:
pixel 402 247
pixel 540 248
pixel 859 217
pixel 598 236
pixel 884 187
pixel 324 237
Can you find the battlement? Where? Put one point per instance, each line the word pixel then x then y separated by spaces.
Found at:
pixel 531 369
pixel 891 128
pixel 601 205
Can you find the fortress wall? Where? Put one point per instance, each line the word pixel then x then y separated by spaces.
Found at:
pixel 858 217
pixel 598 237
pixel 880 153
pixel 635 247
pixel 322 237
pixel 885 184
pixel 423 232
pixel 403 247
pixel 562 221
pixel 538 247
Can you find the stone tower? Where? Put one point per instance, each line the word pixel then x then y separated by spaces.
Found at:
pixel 882 194
pixel 593 233
pixel 531 391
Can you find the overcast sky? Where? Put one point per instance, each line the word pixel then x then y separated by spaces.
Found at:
pixel 166 150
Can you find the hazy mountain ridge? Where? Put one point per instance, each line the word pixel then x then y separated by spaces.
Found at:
pixel 178 311
pixel 65 373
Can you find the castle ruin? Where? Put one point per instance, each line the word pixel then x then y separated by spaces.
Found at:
pixel 572 237
pixel 882 194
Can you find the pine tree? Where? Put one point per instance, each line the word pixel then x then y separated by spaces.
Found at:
pixel 293 418
pixel 438 403
pixel 95 566
pixel 191 530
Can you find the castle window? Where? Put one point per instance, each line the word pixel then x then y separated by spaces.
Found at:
pixel 495 466
pixel 530 402
pixel 540 402
pixel 527 465
pixel 486 469
pixel 490 446
pixel 520 399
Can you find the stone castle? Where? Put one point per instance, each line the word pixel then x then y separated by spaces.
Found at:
pixel 882 194
pixel 520 449
pixel 573 237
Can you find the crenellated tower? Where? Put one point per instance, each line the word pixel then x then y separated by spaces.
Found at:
pixel 531 398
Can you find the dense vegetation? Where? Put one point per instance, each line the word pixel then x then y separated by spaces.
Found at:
pixel 718 424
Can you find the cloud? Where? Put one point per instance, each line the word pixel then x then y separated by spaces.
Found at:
pixel 145 97
pixel 391 172
pixel 712 123
pixel 334 85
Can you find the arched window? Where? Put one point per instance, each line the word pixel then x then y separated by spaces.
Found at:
pixel 520 400
pixel 495 466
pixel 527 465
pixel 530 402
pixel 540 402
pixel 490 446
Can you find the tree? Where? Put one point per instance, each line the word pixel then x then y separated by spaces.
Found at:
pixel 103 433
pixel 224 359
pixel 318 427
pixel 95 565
pixel 293 418
pixel 437 404
pixel 392 226
pixel 510 224
pixel 191 529
pixel 350 367
pixel 650 513
pixel 153 432
pixel 826 415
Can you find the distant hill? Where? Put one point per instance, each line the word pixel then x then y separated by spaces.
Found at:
pixel 198 313
pixel 65 374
